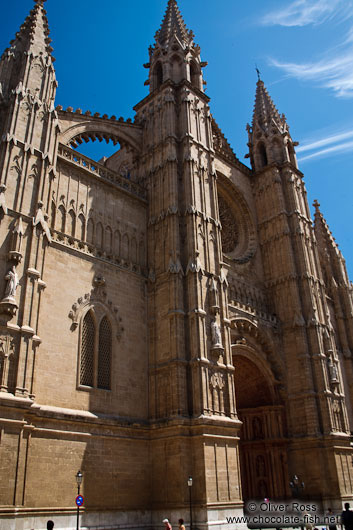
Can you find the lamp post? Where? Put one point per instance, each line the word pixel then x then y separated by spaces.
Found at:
pixel 296 485
pixel 79 477
pixel 190 505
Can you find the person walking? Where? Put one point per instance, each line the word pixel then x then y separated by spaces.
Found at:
pixel 331 520
pixel 167 524
pixel 181 524
pixel 347 517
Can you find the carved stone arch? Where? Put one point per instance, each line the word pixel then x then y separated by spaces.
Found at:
pixel 61 218
pixel 261 157
pixel 133 250
pixel 108 239
pixel 176 68
pixel 98 302
pixel 117 243
pixel 277 152
pixel 239 240
pixel 99 235
pixel 260 344
pixel 82 227
pixel 90 231
pixel 125 246
pixel 195 74
pixel 52 214
pixel 157 75
pixel 77 128
pixel 72 222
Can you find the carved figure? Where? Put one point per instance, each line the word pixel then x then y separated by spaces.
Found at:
pixel 216 334
pixel 12 283
pixel 333 372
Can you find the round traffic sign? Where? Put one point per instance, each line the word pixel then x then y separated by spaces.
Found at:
pixel 79 500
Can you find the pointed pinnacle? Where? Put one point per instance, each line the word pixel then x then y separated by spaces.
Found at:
pixel 34 29
pixel 264 109
pixel 173 24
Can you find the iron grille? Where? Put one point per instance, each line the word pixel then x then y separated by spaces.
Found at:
pixel 87 351
pixel 104 354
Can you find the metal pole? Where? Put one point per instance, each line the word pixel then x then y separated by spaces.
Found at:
pixel 190 507
pixel 78 510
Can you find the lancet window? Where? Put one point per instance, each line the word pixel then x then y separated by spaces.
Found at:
pixel 95 351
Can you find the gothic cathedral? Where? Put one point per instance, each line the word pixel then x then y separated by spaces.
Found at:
pixel 165 313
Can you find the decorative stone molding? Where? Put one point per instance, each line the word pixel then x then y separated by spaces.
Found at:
pixel 41 220
pixel 97 294
pixel 194 264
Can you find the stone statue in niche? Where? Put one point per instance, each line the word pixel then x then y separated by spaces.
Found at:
pixel 216 335
pixel 11 285
pixel 332 368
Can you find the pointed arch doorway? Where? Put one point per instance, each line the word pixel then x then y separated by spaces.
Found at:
pixel 263 442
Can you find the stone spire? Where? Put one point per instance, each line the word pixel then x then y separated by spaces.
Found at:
pixel 173 24
pixel 323 233
pixel 31 41
pixel 174 56
pixel 265 111
pixel 269 138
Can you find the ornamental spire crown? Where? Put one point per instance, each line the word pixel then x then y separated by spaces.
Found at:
pixel 29 58
pixel 174 56
pixel 265 112
pixel 173 25
pixel 269 139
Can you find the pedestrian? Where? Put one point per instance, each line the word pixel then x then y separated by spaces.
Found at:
pixel 347 517
pixel 50 525
pixel 331 520
pixel 181 524
pixel 167 524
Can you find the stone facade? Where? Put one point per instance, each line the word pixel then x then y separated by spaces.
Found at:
pixel 165 313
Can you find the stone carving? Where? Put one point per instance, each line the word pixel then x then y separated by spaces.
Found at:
pixel 8 303
pixel 217 380
pixel 333 372
pixel 41 220
pixel 15 252
pixel 2 198
pixel 230 231
pixel 7 349
pixel 194 264
pixel 97 294
pixel 216 335
pixel 11 285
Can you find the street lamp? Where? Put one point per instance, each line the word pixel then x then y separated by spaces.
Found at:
pixel 296 485
pixel 79 478
pixel 190 507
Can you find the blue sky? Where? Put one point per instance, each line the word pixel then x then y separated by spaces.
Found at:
pixel 304 49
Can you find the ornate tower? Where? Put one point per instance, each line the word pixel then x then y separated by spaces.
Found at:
pixel 191 372
pixel 28 129
pixel 315 400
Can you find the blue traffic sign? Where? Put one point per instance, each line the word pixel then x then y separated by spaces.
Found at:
pixel 79 500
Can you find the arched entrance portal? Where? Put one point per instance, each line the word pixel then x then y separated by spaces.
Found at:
pixel 263 443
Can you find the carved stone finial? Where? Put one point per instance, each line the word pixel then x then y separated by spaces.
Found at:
pixel 316 205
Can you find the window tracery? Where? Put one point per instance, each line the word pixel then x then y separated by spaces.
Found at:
pixel 95 351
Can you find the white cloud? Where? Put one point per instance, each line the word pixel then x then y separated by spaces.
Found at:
pixel 334 72
pixel 304 12
pixel 333 144
pixel 332 139
pixel 336 149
